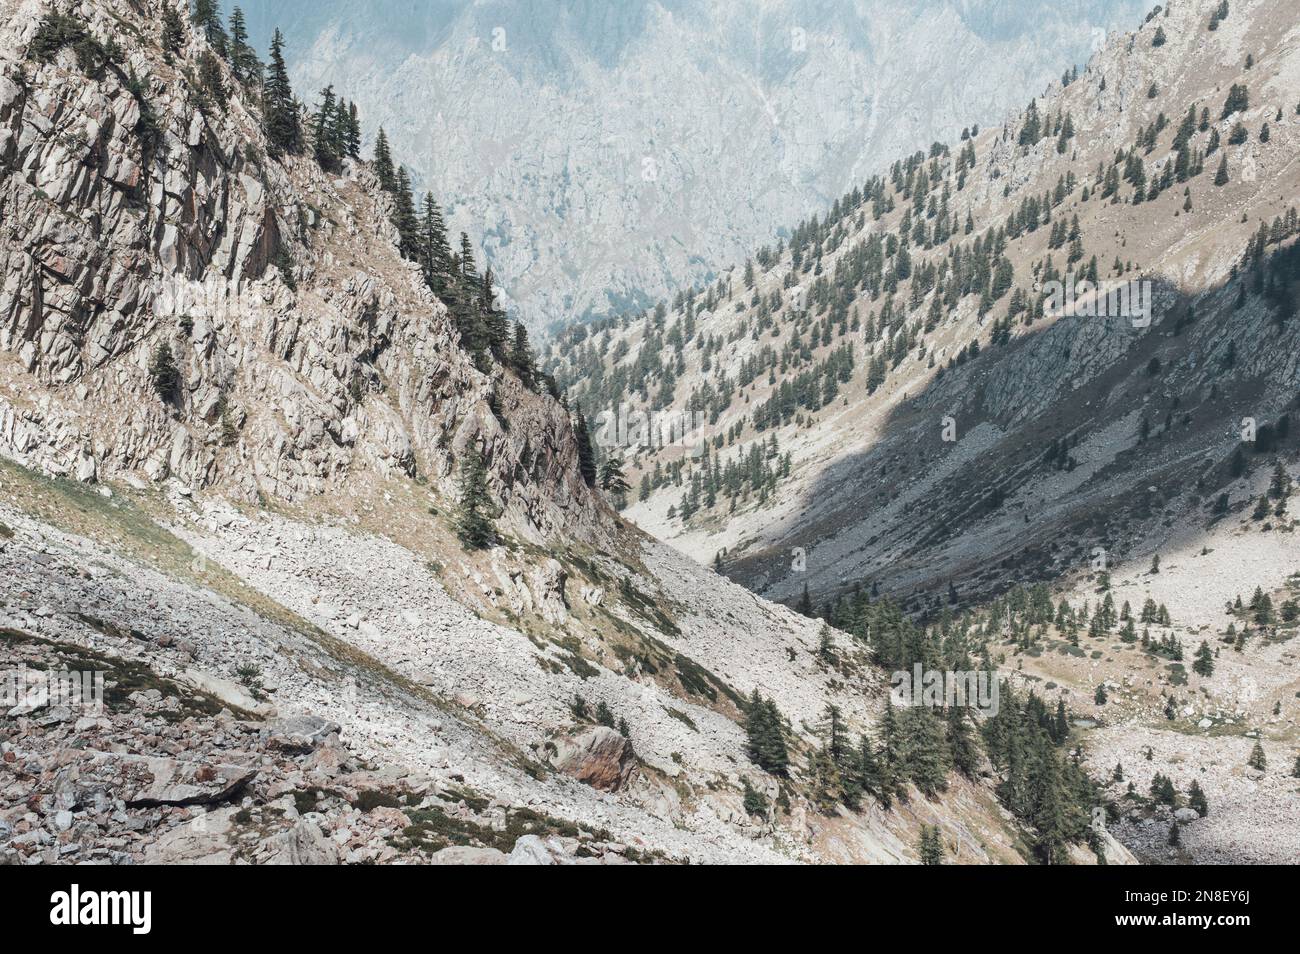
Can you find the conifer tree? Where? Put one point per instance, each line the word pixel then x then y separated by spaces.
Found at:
pixel 243 58
pixel 1204 664
pixel 404 216
pixel 766 735
pixel 612 479
pixel 280 119
pixel 173 32
pixel 961 742
pixel 163 373
pixel 1221 177
pixel 435 253
pixel 474 512
pixel 804 607
pixel 931 845
pixel 1196 799
pixel 1257 760
pixel 586 452
pixel 927 754
pixel 323 128
pixel 384 162
pixel 521 358
pixel 498 326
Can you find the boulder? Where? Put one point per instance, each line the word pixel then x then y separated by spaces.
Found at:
pixel 297 734
pixel 598 756
pixel 465 855
pixel 530 850
pixel 143 781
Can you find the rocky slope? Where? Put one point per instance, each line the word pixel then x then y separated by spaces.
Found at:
pixel 688 129
pixel 301 661
pixel 1066 444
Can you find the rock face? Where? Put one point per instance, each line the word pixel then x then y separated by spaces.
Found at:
pixel 134 219
pixel 598 756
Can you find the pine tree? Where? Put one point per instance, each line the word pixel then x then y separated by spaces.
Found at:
pixel 475 508
pixel 1257 760
pixel 173 33
pixel 1204 664
pixel 280 120
pixel 243 59
pixel 754 801
pixel 961 742
pixel 1196 799
pixel 1221 177
pixel 354 131
pixel 404 218
pixel 323 129
pixel 211 85
pixel 435 253
pixel 163 373
pixel 498 326
pixel 930 847
pixel 521 358
pixel 384 162
pixel 927 754
pixel 612 479
pixel 763 727
pixel 586 452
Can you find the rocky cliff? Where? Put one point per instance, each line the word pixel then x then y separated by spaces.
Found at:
pixel 138 216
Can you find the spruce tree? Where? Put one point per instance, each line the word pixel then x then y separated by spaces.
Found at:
pixel 961 742
pixel 763 727
pixel 586 452
pixel 1221 177
pixel 163 373
pixel 323 130
pixel 1204 664
pixel 1257 760
pixel 521 358
pixel 804 607
pixel 498 326
pixel 280 119
pixel 404 216
pixel 927 753
pixel 612 479
pixel 435 253
pixel 931 845
pixel 474 513
pixel 384 162
pixel 1196 799
pixel 243 59
pixel 173 33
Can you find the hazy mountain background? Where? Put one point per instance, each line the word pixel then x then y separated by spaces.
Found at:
pixel 607 153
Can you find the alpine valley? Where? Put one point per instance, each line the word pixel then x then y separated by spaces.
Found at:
pixel 368 571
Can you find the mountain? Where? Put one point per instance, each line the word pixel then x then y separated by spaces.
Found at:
pixel 604 155
pixel 888 406
pixel 332 572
